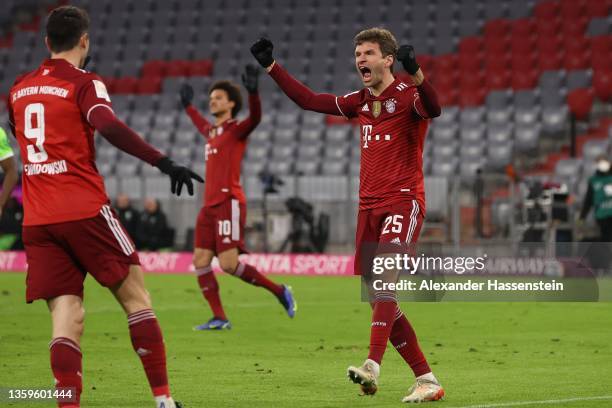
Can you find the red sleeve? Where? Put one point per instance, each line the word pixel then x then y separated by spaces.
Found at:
pixel 198 120
pixel 122 137
pixel 304 96
pixel 349 103
pixel 246 126
pixel 92 95
pixel 426 103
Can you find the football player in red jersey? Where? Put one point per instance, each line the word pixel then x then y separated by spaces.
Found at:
pixel 220 224
pixel 69 228
pixel 393 119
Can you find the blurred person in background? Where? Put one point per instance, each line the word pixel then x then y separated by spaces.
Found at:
pixel 599 198
pixel 10 225
pixel 153 232
pixel 128 215
pixel 9 169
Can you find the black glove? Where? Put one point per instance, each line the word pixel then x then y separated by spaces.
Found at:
pixel 186 93
pixel 179 175
pixel 406 56
pixel 262 51
pixel 250 78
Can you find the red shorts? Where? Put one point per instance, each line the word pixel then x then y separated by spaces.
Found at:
pixel 221 227
pixel 391 229
pixel 60 255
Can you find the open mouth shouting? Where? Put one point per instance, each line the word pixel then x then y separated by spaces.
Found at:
pixel 366 73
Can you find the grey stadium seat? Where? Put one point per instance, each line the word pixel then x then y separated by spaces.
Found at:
pixel 499 155
pixel 500 132
pixel 472 133
pixel 554 120
pixel 594 148
pixel 568 169
pixel 527 137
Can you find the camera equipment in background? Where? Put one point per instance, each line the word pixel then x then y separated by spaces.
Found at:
pixel 306 235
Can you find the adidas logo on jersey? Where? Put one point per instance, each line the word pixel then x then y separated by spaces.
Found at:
pixel 143 352
pixel 365 108
pixel 396 241
pixel 226 240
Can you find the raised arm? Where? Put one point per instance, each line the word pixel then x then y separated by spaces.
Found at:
pixel 95 105
pixel 294 89
pixel 250 79
pixel 198 120
pixel 426 104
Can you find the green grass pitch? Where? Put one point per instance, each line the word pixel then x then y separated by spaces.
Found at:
pixel 483 353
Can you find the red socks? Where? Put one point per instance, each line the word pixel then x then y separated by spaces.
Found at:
pixel 405 342
pixel 67 369
pixel 148 343
pixel 210 290
pixel 250 275
pixel 383 316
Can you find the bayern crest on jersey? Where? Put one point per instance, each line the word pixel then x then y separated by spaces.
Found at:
pixel 390 105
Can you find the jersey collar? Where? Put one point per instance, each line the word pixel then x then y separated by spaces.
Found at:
pixel 388 90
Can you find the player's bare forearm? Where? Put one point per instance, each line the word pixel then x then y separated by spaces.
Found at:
pixel 9 167
pixel 303 96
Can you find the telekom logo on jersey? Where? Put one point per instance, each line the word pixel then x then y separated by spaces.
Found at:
pixel 366 130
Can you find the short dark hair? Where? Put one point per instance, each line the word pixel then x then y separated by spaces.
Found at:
pixel 233 94
pixel 381 36
pixel 65 26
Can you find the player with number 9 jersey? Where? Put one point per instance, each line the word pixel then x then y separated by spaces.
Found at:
pixel 50 109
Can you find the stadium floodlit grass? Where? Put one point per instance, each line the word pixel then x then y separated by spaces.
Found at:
pixel 484 353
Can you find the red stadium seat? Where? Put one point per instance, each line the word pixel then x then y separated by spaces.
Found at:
pixel 154 68
pixel 426 62
pixel 497 28
pixel 574 26
pixel 524 62
pixel 602 84
pixel 550 60
pixel 446 62
pixel 524 79
pixel 546 10
pixel 598 8
pixel 149 85
pixel 474 80
pixel 601 61
pixel 580 102
pixel 177 68
pixel 201 68
pixel 498 46
pixel 499 79
pixel 572 8
pixel 522 45
pixel 577 59
pixel 125 85
pixel 468 63
pixel 471 45
pixel 550 43
pixel 524 27
pixel 469 96
pixel 497 62
pixel 448 97
pixel 602 44
pixel 549 28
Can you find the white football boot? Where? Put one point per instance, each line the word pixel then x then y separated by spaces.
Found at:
pixel 424 390
pixel 366 376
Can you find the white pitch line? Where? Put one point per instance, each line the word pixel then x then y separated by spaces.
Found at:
pixel 540 402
